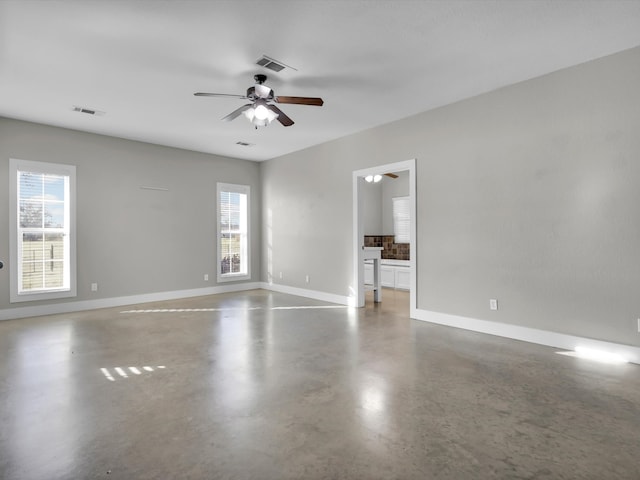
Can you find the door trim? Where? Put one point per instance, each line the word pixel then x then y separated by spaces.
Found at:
pixel 358 229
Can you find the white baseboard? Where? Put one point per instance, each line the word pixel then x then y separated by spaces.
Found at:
pixel 531 335
pixel 515 332
pixel 315 294
pixel 68 307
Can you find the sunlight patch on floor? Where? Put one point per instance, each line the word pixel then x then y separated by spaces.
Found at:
pixel 121 372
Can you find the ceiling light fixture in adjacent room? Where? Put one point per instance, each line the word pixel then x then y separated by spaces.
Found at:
pixel 373 178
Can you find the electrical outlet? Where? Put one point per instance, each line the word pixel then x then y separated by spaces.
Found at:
pixel 94 287
pixel 639 325
pixel 493 304
pixel 280 275
pixel 306 279
pixel 206 277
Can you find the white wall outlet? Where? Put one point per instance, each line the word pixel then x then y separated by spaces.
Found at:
pixel 280 275
pixel 639 325
pixel 306 279
pixel 493 304
pixel 94 287
pixel 206 277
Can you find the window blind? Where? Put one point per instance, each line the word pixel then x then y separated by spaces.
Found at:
pixel 401 219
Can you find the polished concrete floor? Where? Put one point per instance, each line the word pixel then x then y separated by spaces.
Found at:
pixel 262 385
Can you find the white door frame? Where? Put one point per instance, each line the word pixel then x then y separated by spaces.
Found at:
pixel 358 228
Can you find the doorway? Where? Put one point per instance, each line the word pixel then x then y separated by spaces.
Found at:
pixel 359 228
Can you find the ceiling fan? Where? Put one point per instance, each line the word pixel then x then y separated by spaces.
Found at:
pixel 260 112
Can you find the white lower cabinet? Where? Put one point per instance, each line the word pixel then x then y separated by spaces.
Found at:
pixel 403 278
pixel 391 276
pixel 388 276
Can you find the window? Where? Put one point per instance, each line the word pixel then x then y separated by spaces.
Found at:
pixel 42 230
pixel 233 232
pixel 401 223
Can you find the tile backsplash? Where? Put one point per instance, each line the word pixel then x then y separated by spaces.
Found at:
pixel 392 250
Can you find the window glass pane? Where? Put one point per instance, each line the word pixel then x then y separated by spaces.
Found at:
pixel 32 247
pixel 54 215
pixel 30 214
pixel 53 274
pixel 230 210
pixel 54 187
pixel 230 249
pixel 31 185
pixel 32 275
pixel 54 246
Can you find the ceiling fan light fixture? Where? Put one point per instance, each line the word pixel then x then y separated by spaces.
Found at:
pixel 261 112
pixel 260 115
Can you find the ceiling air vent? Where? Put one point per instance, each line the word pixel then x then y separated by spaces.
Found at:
pixel 88 111
pixel 271 64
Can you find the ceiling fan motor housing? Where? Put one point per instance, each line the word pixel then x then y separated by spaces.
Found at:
pixel 260 91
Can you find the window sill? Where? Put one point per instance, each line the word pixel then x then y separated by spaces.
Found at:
pixel 35 296
pixel 233 277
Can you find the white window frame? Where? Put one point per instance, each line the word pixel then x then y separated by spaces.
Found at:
pixel 69 290
pixel 246 235
pixel 402 219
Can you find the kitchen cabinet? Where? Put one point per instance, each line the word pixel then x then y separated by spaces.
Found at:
pixel 403 278
pixel 392 274
pixel 388 276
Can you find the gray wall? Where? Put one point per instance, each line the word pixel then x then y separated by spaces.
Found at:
pixel 392 187
pixel 372 208
pixel 132 241
pixel 528 194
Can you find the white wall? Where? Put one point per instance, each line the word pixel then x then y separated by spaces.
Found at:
pixel 132 241
pixel 528 194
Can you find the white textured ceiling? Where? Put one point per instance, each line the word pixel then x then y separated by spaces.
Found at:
pixel 371 61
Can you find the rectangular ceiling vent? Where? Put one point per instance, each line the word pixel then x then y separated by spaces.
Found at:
pixel 244 144
pixel 88 111
pixel 271 64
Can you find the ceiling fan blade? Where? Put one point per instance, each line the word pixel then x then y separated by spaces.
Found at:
pixel 282 118
pixel 236 113
pixel 392 175
pixel 318 102
pixel 228 95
